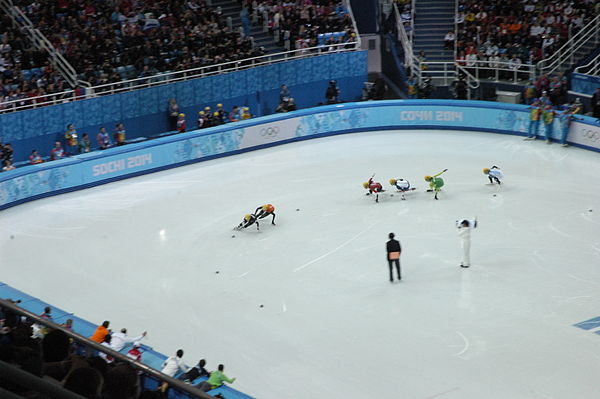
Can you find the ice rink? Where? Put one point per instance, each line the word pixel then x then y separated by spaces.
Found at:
pixel 156 253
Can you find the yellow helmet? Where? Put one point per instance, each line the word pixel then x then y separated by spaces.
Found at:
pixel 265 207
pixel 393 182
pixel 247 217
pixel 428 178
pixel 201 112
pixel 215 113
pixel 486 171
pixel 181 115
pixel 207 108
pixel 246 109
pixel 366 184
pixel 219 105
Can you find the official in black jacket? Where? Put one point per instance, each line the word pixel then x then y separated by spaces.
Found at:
pixel 393 256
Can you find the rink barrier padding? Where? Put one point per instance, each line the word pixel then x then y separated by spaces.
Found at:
pixel 144 111
pixel 100 167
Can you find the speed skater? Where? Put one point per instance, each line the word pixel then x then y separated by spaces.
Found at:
pixel 435 183
pixel 494 174
pixel 401 185
pixel 263 211
pixel 248 221
pixel 374 188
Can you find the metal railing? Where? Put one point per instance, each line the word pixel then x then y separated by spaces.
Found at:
pixel 413 10
pixel 405 41
pixel 446 73
pixel 40 42
pixel 567 55
pixel 354 27
pixel 591 68
pixel 172 77
pixel 455 47
pixel 118 356
pixel 502 71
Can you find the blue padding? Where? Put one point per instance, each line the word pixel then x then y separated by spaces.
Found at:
pixel 229 393
pixel 83 327
pixel 589 324
pixel 37 307
pixel 152 358
pixel 8 292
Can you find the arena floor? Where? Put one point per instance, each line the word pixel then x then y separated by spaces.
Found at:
pixel 304 309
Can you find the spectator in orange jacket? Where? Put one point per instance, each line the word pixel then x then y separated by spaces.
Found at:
pixel 101 332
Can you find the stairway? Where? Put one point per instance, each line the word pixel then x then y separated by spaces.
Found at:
pixel 433 19
pixel 232 8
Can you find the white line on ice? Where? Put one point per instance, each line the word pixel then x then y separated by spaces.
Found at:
pixel 437 395
pixel 583 280
pixel 283 306
pixel 333 250
pixel 586 217
pixel 466 347
pixel 242 275
pixel 562 233
pixel 576 297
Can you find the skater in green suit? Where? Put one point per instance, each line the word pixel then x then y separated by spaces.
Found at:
pixel 435 183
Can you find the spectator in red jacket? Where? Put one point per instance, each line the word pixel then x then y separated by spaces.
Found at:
pixel 181 123
pixel 57 152
pixel 35 157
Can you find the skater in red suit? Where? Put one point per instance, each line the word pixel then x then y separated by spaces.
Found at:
pixel 374 188
pixel 266 210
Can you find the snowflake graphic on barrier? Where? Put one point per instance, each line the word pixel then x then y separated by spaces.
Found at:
pixel 330 122
pixel 57 179
pixel 210 144
pixel 507 120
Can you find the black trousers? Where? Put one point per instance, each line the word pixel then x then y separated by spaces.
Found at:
pixel 397 262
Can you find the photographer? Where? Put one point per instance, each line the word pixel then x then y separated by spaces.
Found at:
pixel 459 88
pixel 332 93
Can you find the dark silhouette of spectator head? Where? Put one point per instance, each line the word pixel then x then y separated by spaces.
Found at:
pixel 99 364
pixel 391 235
pixel 106 323
pixel 221 367
pixel 55 346
pixel 180 353
pixel 150 395
pixel 85 381
pixel 202 362
pixel 121 382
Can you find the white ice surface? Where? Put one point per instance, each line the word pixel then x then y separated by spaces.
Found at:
pixel 332 324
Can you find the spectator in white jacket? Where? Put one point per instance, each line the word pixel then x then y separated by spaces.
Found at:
pixel 121 339
pixel 172 366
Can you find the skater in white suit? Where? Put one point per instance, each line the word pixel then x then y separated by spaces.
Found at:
pixel 494 174
pixel 464 232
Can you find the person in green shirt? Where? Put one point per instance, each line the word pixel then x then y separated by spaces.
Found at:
pixel 216 379
pixel 435 183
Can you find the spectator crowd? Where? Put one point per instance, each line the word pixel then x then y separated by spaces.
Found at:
pixel 304 23
pixel 25 73
pixel 52 355
pixel 508 34
pixel 107 42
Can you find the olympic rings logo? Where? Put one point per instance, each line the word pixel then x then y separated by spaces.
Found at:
pixel 590 135
pixel 270 132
